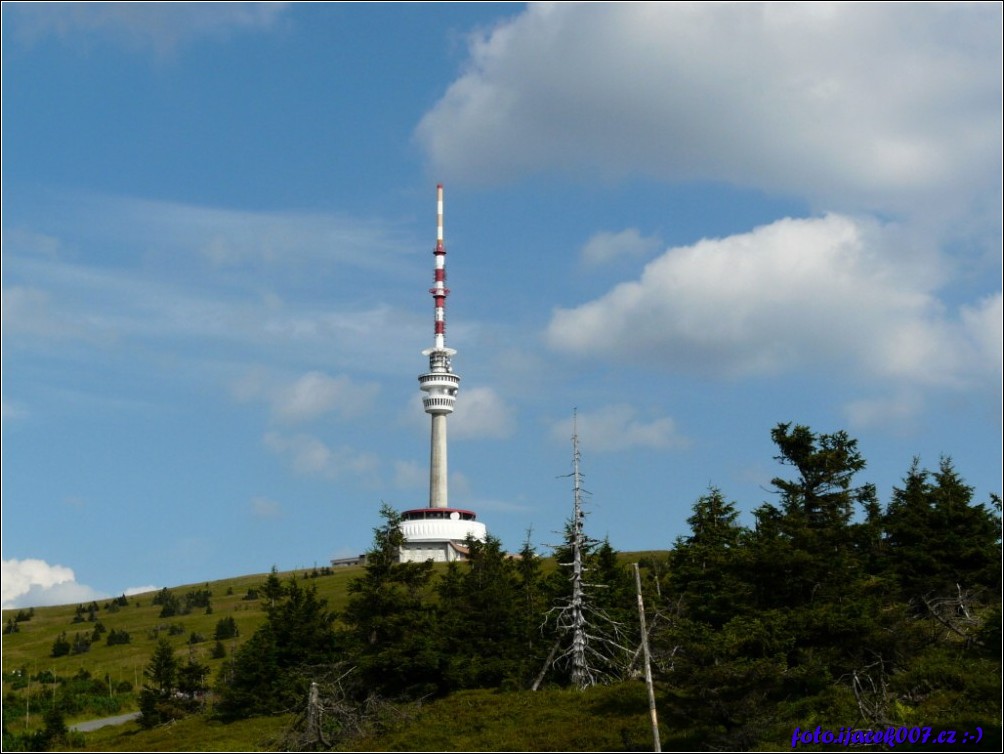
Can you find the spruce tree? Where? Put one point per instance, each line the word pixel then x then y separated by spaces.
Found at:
pixel 272 671
pixel 937 540
pixel 156 700
pixel 807 546
pixel 390 619
pixel 706 566
pixel 480 610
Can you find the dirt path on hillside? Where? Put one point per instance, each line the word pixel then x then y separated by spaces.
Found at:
pixel 89 725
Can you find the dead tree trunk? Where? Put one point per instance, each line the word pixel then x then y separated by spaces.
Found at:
pixel 589 635
pixel 656 738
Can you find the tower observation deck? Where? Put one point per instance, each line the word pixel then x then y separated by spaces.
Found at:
pixel 438 532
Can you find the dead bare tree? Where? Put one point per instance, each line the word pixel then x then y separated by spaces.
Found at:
pixel 872 693
pixel 591 639
pixel 336 712
pixel 954 614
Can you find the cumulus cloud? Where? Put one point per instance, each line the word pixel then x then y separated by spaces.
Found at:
pixel 983 325
pixel 485 414
pixel 315 394
pixel 759 94
pixel 605 247
pixel 307 397
pixel 481 414
pixel 618 427
pixel 311 456
pixel 798 294
pixel 34 583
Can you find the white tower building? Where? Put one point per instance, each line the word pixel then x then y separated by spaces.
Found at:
pixel 438 532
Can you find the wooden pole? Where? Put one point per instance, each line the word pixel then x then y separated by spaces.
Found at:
pixel 656 740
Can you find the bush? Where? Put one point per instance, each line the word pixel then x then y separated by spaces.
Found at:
pixel 81 644
pixel 118 636
pixel 226 628
pixel 61 646
pixel 24 615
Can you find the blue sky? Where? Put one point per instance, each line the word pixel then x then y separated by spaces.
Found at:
pixel 689 222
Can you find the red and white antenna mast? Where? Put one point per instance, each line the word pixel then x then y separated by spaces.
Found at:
pixel 439 384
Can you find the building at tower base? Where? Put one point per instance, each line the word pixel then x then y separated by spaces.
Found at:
pixel 438 534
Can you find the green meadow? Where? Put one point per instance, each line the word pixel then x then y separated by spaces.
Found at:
pixel 601 718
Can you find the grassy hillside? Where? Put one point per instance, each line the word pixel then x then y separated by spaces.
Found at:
pixel 28 664
pixel 609 718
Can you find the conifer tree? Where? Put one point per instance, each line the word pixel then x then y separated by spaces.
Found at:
pixel 706 566
pixel 272 671
pixel 937 539
pixel 156 700
pixel 967 543
pixel 808 544
pixel 272 590
pixel 908 521
pixel 391 620
pixel 480 611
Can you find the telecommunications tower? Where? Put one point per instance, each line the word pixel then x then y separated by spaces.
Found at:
pixel 438 532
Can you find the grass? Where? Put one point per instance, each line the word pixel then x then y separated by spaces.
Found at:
pixel 191 734
pixel 29 650
pixel 601 718
pixel 605 718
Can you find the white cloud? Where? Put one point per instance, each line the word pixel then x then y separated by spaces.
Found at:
pixel 156 286
pixel 315 394
pixel 31 311
pixel 134 590
pixel 12 411
pixel 482 413
pixel 605 247
pixel 807 294
pixel 34 583
pixel 618 427
pixel 161 27
pixel 310 456
pixel 262 507
pixel 852 104
pixel 983 325
pixel 896 412
pixel 30 242
pixel 288 242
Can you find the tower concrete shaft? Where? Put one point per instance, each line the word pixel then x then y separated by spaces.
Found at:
pixel 439 384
